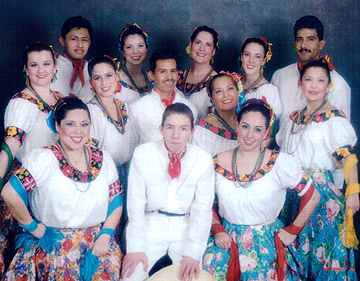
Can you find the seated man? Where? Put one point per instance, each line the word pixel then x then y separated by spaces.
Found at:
pixel 170 196
pixel 147 111
pixel 72 69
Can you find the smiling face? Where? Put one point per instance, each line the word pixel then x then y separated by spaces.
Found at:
pixel 307 45
pixel 135 49
pixel 253 58
pixel 76 43
pixel 177 130
pixel 202 48
pixel 224 93
pixel 165 77
pixel 251 130
pixel 104 79
pixel 315 84
pixel 74 129
pixel 40 68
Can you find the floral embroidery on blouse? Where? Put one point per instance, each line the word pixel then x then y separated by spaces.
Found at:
pixel 144 88
pixel 216 130
pixel 16 133
pixel 195 87
pixel 262 172
pixel 115 188
pixel 93 142
pixel 343 152
pixel 95 164
pixel 26 179
pixel 303 182
pixel 299 118
pixel 39 104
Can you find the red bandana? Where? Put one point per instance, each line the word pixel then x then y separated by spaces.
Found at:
pixel 77 71
pixel 174 168
pixel 326 58
pixel 170 100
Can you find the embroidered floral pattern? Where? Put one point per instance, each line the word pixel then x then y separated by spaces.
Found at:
pixel 26 179
pixel 39 104
pixel 95 164
pixel 216 130
pixel 262 172
pixel 195 87
pixel 299 118
pixel 93 142
pixel 303 182
pixel 131 87
pixel 16 133
pixel 343 152
pixel 115 188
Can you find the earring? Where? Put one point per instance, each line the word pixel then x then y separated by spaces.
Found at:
pixel 53 80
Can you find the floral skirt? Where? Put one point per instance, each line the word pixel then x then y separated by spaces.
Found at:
pixel 257 253
pixel 63 262
pixel 318 249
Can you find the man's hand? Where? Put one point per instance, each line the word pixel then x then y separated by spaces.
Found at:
pixel 189 268
pixel 131 261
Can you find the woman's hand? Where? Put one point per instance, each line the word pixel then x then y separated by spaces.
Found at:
pixel 223 240
pixel 286 238
pixel 40 231
pixel 352 202
pixel 101 245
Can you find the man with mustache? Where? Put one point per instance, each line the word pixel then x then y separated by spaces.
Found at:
pixel 308 42
pixel 146 113
pixel 72 69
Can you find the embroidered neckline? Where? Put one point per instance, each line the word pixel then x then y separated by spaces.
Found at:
pixel 193 87
pixel 95 164
pixel 252 90
pixel 39 104
pixel 244 178
pixel 216 130
pixel 299 118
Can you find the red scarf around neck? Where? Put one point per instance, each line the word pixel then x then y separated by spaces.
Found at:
pixel 174 168
pixel 77 71
pixel 170 100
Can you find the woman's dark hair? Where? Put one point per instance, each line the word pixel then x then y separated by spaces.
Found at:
pixel 67 104
pixel 205 28
pixel 98 60
pixel 37 47
pixel 131 30
pixel 255 105
pixel 254 40
pixel 318 63
pixel 210 83
pixel 178 108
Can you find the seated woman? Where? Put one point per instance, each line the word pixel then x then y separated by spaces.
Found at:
pixel 251 184
pixel 133 42
pixel 255 53
pixel 74 195
pixel 27 127
pixel 217 132
pixel 192 82
pixel 320 137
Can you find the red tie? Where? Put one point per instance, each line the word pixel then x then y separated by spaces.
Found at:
pixel 174 168
pixel 170 100
pixel 77 71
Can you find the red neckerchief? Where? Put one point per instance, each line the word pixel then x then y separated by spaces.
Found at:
pixel 77 71
pixel 170 100
pixel 174 168
pixel 325 58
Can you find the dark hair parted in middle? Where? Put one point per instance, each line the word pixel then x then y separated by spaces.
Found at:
pixel 178 108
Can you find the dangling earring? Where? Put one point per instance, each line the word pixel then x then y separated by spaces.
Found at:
pixel 27 81
pixel 187 50
pixel 212 59
pixel 53 80
pixel 118 88
pixel 262 70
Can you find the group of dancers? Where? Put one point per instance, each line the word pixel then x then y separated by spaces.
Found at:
pixel 182 161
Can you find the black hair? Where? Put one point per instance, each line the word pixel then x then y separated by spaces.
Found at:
pixel 206 29
pixel 255 105
pixel 210 86
pixel 67 104
pixel 310 22
pixel 76 22
pixel 318 63
pixel 98 60
pixel 255 40
pixel 131 30
pixel 37 47
pixel 161 54
pixel 178 108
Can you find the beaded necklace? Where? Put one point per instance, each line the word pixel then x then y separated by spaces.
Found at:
pixel 121 130
pixel 223 122
pixel 139 89
pixel 48 107
pixel 192 89
pixel 70 166
pixel 237 182
pixel 301 129
pixel 257 81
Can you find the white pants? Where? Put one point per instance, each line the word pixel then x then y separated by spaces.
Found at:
pixel 164 234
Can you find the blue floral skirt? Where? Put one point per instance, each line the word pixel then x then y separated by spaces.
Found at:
pixel 318 250
pixel 257 253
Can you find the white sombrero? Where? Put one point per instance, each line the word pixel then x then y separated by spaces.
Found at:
pixel 171 272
